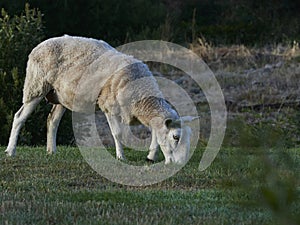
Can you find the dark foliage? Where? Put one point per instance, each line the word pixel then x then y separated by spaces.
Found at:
pixel 222 22
pixel 117 22
pixel 18 35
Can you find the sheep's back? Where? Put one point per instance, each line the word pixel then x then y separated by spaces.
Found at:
pixel 75 67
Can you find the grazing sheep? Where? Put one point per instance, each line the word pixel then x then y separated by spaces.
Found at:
pixel 74 73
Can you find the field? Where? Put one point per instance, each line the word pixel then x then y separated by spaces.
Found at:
pixel 242 186
pixel 255 178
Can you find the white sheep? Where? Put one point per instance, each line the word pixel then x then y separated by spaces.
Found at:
pixel 75 72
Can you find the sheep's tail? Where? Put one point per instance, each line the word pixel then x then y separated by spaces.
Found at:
pixel 35 82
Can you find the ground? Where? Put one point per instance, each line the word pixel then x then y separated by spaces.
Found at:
pixel 243 186
pixel 253 180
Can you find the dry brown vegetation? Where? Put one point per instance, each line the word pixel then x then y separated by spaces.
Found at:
pixel 261 87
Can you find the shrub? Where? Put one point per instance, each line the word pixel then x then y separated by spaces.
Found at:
pixel 18 35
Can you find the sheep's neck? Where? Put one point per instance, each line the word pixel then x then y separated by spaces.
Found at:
pixel 148 110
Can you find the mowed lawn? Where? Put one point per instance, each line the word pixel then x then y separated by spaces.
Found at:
pixel 242 186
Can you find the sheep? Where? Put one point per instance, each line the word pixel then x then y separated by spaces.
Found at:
pixel 76 72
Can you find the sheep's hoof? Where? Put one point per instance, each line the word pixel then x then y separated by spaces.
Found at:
pixel 150 160
pixel 121 158
pixel 9 152
pixel 50 152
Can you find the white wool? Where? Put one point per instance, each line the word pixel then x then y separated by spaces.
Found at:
pixel 73 66
pixel 81 72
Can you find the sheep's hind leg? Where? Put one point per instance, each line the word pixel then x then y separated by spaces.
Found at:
pixel 114 125
pixel 19 120
pixel 53 121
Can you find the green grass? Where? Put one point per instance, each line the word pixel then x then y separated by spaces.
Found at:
pixel 242 186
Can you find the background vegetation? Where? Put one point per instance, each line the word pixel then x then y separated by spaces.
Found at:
pixel 18 35
pixel 223 22
pixel 239 22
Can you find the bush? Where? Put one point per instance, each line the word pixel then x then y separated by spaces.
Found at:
pixel 221 22
pixel 18 35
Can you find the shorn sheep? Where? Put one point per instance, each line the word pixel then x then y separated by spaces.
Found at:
pixel 73 72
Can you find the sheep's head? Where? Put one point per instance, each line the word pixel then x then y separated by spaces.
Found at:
pixel 173 136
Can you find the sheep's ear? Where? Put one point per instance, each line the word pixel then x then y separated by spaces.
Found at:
pixel 171 123
pixel 188 119
pixel 168 122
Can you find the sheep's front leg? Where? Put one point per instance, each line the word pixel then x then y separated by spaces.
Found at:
pixel 53 120
pixel 114 124
pixel 19 120
pixel 153 147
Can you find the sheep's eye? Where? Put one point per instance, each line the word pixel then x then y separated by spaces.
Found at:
pixel 176 137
